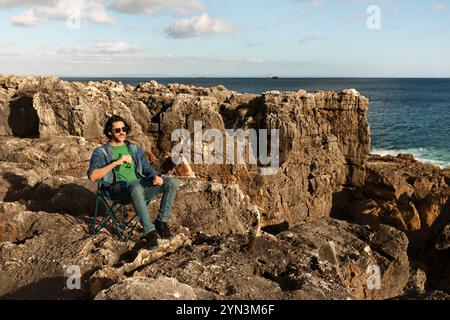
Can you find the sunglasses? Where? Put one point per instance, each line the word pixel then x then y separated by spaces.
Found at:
pixel 118 130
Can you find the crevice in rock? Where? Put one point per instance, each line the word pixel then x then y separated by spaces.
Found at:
pixel 26 238
pixel 285 282
pixel 23 118
pixel 276 229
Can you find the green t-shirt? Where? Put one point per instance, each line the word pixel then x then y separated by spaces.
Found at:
pixel 125 172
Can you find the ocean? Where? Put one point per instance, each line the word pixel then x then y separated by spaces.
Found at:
pixel 405 115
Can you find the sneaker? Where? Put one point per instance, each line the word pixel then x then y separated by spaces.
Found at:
pixel 163 229
pixel 152 239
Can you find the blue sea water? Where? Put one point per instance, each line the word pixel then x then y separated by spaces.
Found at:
pixel 406 115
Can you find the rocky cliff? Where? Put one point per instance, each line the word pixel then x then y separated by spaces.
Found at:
pixel 241 235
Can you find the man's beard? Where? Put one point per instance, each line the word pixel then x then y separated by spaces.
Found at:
pixel 118 139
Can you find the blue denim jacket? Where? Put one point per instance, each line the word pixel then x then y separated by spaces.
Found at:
pixel 102 156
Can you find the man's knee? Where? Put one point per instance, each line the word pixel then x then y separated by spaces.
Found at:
pixel 172 183
pixel 136 189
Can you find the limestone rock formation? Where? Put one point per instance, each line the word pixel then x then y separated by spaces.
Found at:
pixel 289 266
pixel 444 239
pixel 37 250
pixel 323 146
pixel 148 289
pixel 414 198
pixel 240 234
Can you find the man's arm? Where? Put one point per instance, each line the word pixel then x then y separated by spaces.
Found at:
pixel 97 174
pixel 147 169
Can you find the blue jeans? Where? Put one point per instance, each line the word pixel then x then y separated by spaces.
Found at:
pixel 143 192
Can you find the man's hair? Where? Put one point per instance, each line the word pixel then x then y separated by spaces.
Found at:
pixel 109 124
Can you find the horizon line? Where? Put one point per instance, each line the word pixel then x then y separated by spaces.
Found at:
pixel 253 77
pixel 275 78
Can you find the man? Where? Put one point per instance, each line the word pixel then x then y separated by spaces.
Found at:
pixel 124 172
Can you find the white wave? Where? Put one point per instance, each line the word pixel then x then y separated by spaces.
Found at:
pixel 423 155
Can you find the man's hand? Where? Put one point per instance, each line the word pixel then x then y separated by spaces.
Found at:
pixel 158 181
pixel 125 159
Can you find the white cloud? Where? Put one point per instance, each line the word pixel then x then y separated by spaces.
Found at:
pixel 8 51
pixel 23 3
pixel 98 14
pixel 313 2
pixel 62 9
pixel 115 48
pixel 230 60
pixel 150 7
pixel 439 7
pixel 92 10
pixel 312 38
pixel 200 26
pixel 101 48
pixel 26 19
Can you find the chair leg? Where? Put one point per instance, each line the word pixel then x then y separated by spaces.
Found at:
pixel 120 225
pixel 107 216
pixel 115 222
pixel 94 218
pixel 124 217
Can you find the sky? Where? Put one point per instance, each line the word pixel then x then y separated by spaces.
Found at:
pixel 225 38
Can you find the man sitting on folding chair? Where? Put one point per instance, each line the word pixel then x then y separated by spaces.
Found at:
pixel 124 172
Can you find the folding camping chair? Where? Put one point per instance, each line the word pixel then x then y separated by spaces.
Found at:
pixel 124 225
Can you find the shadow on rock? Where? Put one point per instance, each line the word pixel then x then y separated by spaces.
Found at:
pixel 68 198
pixel 23 118
pixel 51 289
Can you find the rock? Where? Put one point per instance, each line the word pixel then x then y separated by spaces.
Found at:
pixel 443 242
pixel 38 190
pixel 387 185
pixel 151 87
pixel 317 159
pixel 438 295
pixel 355 261
pixel 146 257
pixel 162 288
pixel 213 208
pixel 35 258
pixel 433 207
pixel 291 266
pixel 103 279
pixel 107 276
pixel 422 188
pixel 327 252
pixel 410 216
pixel 352 92
pixel 49 128
pixel 414 198
pixel 406 194
pixel 185 169
pixel 47 156
pixel 417 281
